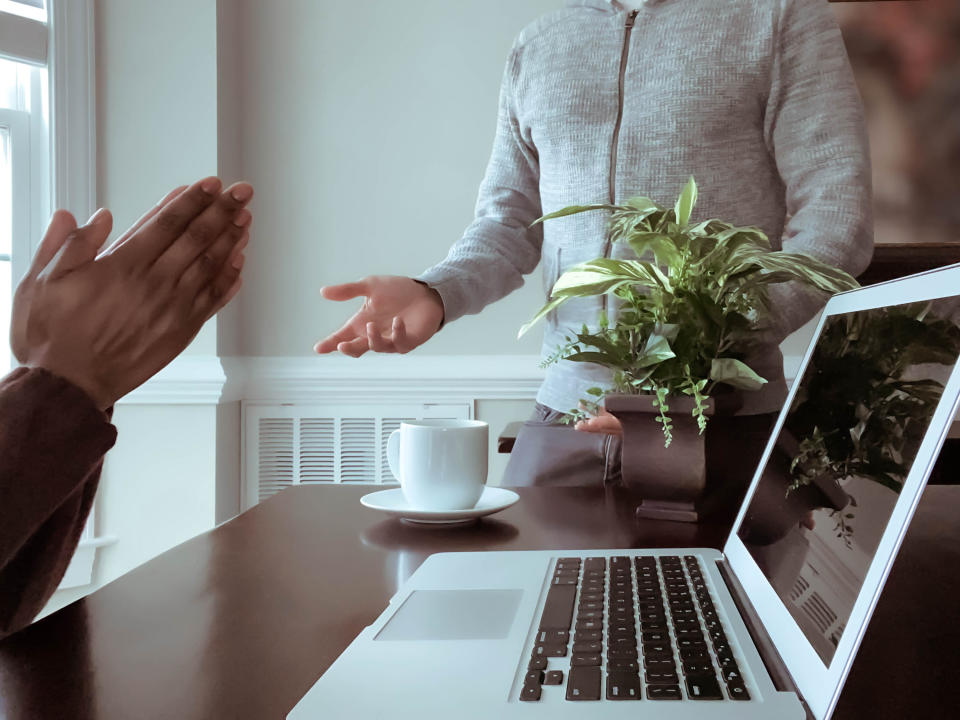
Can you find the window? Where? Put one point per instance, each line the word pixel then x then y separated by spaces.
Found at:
pixel 25 186
pixel 46 161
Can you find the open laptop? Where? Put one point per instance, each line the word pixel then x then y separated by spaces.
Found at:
pixel 767 628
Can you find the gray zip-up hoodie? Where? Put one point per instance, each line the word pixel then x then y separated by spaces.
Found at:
pixel 754 98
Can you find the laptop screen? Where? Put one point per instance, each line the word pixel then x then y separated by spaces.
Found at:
pixel 833 477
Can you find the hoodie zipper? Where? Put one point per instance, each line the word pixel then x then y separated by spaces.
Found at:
pixel 624 53
pixel 614 145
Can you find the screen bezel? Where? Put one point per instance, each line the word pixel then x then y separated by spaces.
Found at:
pixel 820 684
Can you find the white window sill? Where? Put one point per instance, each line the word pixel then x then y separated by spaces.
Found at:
pixel 80 571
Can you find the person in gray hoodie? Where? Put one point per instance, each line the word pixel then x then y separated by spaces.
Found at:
pixel 603 100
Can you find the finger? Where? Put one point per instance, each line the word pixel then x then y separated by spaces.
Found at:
pixel 82 244
pixel 158 233
pixel 61 225
pixel 607 424
pixel 354 348
pixel 346 291
pixel 401 341
pixel 330 343
pixel 207 266
pixel 204 230
pixel 215 296
pixel 376 340
pixel 144 218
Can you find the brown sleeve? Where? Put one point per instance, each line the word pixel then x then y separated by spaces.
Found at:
pixel 52 442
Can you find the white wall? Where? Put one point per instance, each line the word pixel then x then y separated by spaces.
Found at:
pixel 156 106
pixel 366 128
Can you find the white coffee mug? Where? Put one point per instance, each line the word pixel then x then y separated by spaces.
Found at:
pixel 441 464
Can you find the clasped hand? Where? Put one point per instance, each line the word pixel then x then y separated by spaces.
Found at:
pixel 108 320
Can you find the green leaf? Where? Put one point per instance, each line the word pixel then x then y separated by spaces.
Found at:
pixel 545 310
pixel 664 250
pixel 591 357
pixel 735 373
pixel 595 391
pixel 573 210
pixel 685 203
pixel 642 203
pixel 656 350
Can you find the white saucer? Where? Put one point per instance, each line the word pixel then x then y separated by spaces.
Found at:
pixel 392 502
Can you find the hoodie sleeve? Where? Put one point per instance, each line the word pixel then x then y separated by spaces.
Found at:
pixel 499 247
pixel 814 128
pixel 52 442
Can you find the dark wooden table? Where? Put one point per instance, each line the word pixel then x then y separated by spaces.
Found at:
pixel 239 622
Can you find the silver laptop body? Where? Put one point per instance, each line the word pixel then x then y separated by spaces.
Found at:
pixel 780 611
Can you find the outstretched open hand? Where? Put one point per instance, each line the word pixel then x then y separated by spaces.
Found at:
pixel 398 314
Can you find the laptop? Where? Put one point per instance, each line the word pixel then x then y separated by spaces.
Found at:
pixel 766 628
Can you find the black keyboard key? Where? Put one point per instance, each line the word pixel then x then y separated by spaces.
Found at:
pixel 732 675
pixel 537 662
pixel 595 563
pixel 533 677
pixel 738 691
pixel 553 677
pixel 591 597
pixel 697 668
pixel 583 683
pixel 590 606
pixel 650 636
pixel 704 688
pixel 585 660
pixel 589 625
pixel 553 636
pixel 661 678
pixel 623 685
pixel 622 642
pixel 697 653
pixel 565 580
pixel 664 692
pixel 531 693
pixel 589 648
pixel 630 665
pixel 622 653
pixel 558 609
pixel 588 636
pixel 590 615
pixel 652 665
pixel 549 650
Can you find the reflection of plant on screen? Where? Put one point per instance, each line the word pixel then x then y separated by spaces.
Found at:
pixel 859 411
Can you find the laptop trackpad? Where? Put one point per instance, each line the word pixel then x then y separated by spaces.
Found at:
pixel 453 615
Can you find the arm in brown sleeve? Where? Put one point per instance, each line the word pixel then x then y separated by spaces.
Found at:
pixel 52 442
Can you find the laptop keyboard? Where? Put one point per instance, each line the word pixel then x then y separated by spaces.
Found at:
pixel 628 629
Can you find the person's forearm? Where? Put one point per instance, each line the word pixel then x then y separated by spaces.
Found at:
pixel 52 442
pixel 499 247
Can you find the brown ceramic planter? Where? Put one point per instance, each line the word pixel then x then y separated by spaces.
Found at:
pixel 698 473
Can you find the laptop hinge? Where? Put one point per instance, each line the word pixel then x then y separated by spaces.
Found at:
pixel 768 652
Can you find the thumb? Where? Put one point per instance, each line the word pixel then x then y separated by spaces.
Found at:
pixel 346 291
pixel 61 225
pixel 80 246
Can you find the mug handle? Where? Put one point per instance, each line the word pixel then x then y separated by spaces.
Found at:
pixel 393 453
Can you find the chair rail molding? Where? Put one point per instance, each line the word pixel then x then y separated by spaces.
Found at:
pixel 188 380
pixel 333 378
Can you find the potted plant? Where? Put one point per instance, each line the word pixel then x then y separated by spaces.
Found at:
pixel 691 305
